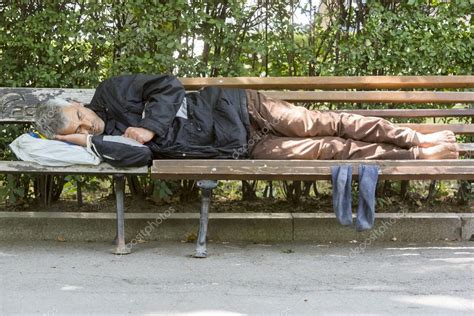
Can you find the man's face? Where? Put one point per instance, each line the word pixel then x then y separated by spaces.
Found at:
pixel 81 120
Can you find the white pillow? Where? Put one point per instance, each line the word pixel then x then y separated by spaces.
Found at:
pixel 52 152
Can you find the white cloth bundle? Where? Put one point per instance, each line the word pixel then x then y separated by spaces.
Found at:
pixel 52 152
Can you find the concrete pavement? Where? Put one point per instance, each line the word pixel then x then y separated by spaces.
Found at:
pixel 57 278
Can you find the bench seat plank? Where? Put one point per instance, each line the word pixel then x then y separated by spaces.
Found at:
pixel 307 169
pixel 12 167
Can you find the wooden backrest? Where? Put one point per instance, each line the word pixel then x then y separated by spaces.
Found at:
pixel 18 104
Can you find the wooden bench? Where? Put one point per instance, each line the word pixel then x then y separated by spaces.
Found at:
pixel 18 106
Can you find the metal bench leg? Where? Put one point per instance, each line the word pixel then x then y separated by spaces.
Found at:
pixel 120 246
pixel 206 193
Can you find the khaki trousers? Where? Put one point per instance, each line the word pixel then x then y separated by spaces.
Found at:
pixel 281 130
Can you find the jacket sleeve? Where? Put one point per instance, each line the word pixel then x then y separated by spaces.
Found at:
pixel 120 151
pixel 163 96
pixel 97 104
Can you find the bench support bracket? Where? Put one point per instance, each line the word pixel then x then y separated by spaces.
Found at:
pixel 120 246
pixel 206 193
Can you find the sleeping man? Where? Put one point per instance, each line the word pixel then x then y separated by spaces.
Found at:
pixel 158 119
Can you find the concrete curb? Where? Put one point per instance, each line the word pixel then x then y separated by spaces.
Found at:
pixel 251 227
pixel 467 230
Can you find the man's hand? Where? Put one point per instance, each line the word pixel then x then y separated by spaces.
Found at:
pixel 141 135
pixel 78 139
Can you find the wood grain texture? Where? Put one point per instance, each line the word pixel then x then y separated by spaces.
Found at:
pixel 307 169
pixel 372 96
pixel 261 169
pixel 413 113
pixel 12 167
pixel 19 104
pixel 460 129
pixel 467 148
pixel 334 82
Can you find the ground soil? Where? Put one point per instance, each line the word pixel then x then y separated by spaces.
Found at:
pixel 221 205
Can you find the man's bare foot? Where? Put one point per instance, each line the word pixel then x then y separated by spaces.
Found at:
pixel 442 151
pixel 433 139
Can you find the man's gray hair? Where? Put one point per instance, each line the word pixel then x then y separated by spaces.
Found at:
pixel 50 119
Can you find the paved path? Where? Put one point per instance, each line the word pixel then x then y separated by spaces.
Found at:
pixel 56 278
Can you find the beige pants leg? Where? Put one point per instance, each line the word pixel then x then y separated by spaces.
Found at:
pixel 281 130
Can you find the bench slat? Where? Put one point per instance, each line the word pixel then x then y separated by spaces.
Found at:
pixel 13 167
pixel 467 148
pixel 307 169
pixel 32 96
pixel 465 129
pixel 334 82
pixel 373 96
pixel 413 113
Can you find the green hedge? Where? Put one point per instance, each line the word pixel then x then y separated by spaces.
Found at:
pixel 78 43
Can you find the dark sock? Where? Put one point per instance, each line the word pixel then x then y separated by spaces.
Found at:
pixel 341 193
pixel 368 176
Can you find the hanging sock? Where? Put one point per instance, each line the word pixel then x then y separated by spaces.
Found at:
pixel 368 176
pixel 341 193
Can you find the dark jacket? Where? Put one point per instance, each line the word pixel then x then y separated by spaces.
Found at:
pixel 217 125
